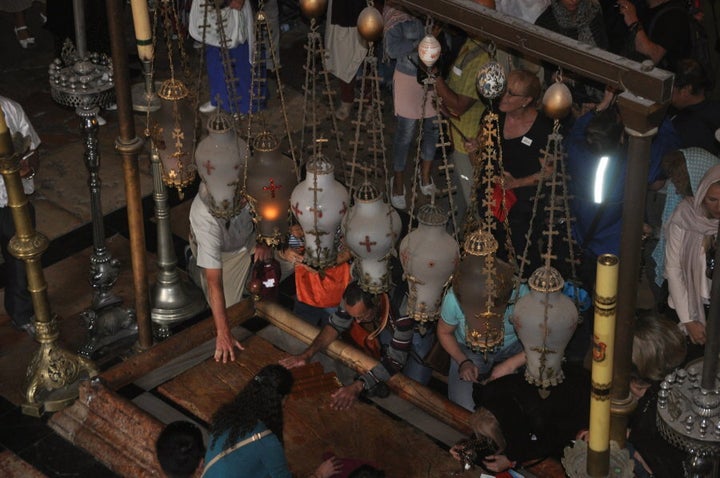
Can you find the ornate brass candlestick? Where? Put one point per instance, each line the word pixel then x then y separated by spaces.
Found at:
pixel 85 82
pixel 53 373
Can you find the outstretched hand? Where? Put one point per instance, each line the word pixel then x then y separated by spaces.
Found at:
pixel 328 468
pixel 346 396
pixel 225 345
pixel 293 361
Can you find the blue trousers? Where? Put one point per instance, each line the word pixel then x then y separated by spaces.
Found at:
pixel 241 69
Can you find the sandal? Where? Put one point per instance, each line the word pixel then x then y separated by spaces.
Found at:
pixel 24 42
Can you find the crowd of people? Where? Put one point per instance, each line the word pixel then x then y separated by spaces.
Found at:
pixel 518 424
pixel 594 139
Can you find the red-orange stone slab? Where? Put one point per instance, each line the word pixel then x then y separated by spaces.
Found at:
pixel 311 427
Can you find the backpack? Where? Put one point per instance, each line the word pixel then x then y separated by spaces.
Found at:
pixel 699 39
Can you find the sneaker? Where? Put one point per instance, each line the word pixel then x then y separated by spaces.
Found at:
pixel 428 189
pixel 28 328
pixel 343 112
pixel 111 107
pixel 398 202
pixel 197 44
pixel 100 120
pixel 207 108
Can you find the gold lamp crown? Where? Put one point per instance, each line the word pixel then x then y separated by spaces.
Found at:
pixel 546 279
pixel 173 90
pixel 480 243
pixel 431 215
pixel 265 141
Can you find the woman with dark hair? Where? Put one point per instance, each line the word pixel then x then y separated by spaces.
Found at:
pixel 246 434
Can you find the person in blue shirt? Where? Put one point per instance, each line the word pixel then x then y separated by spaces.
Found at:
pixel 596 163
pixel 246 434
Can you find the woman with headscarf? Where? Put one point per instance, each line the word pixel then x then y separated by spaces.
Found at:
pixel 690 236
pixel 246 434
pixel 685 169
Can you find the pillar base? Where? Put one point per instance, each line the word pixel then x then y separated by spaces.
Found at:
pixel 53 374
pixel 575 461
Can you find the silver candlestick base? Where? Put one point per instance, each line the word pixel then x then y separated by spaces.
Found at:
pixel 689 418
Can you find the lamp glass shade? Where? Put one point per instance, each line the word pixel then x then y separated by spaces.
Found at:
pixel 319 203
pixel 370 24
pixel 491 80
pixel 270 181
pixel 173 133
pixel 220 158
pixel 428 255
pixel 482 284
pixel 545 320
pixel 371 227
pixel 429 50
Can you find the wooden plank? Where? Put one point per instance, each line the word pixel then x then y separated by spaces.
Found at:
pixel 311 427
pixel 590 62
pixel 160 354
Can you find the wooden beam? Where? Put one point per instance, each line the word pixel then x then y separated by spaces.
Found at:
pixel 422 397
pixel 591 62
pixel 141 364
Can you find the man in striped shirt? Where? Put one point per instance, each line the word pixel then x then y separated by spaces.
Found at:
pixel 373 325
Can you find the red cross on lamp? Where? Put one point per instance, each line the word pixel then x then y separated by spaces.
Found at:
pixel 371 227
pixel 270 180
pixel 172 130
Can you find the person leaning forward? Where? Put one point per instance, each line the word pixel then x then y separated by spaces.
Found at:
pixel 365 316
pixel 223 251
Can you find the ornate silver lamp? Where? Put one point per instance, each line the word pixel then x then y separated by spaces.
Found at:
pixel 688 406
pixel 85 81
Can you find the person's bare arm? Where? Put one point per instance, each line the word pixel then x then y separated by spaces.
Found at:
pixel 445 335
pixel 225 343
pixel 643 44
pixel 455 103
pixel 323 339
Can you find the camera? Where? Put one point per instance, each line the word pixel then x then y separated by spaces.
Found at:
pixel 474 450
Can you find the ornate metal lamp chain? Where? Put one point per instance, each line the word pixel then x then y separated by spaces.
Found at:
pixel 446 167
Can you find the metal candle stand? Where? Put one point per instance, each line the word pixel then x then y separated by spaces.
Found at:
pixel 173 299
pixel 85 82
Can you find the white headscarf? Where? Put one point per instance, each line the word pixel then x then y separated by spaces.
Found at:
pixel 691 216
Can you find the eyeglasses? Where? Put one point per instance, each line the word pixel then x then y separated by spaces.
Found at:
pixel 510 93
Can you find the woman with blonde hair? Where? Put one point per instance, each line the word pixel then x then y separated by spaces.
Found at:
pixel 689 255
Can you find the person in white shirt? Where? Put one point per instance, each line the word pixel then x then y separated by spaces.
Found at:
pixel 690 243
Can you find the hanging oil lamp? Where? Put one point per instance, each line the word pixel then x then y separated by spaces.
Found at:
pixel 319 203
pixel 371 227
pixel 220 158
pixel 270 181
pixel 429 256
pixel 482 285
pixel 545 320
pixel 172 132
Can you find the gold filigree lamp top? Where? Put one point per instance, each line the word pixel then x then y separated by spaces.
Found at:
pixel 431 215
pixel 220 122
pixel 480 243
pixel 173 90
pixel 265 142
pixel 367 192
pixel 546 279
